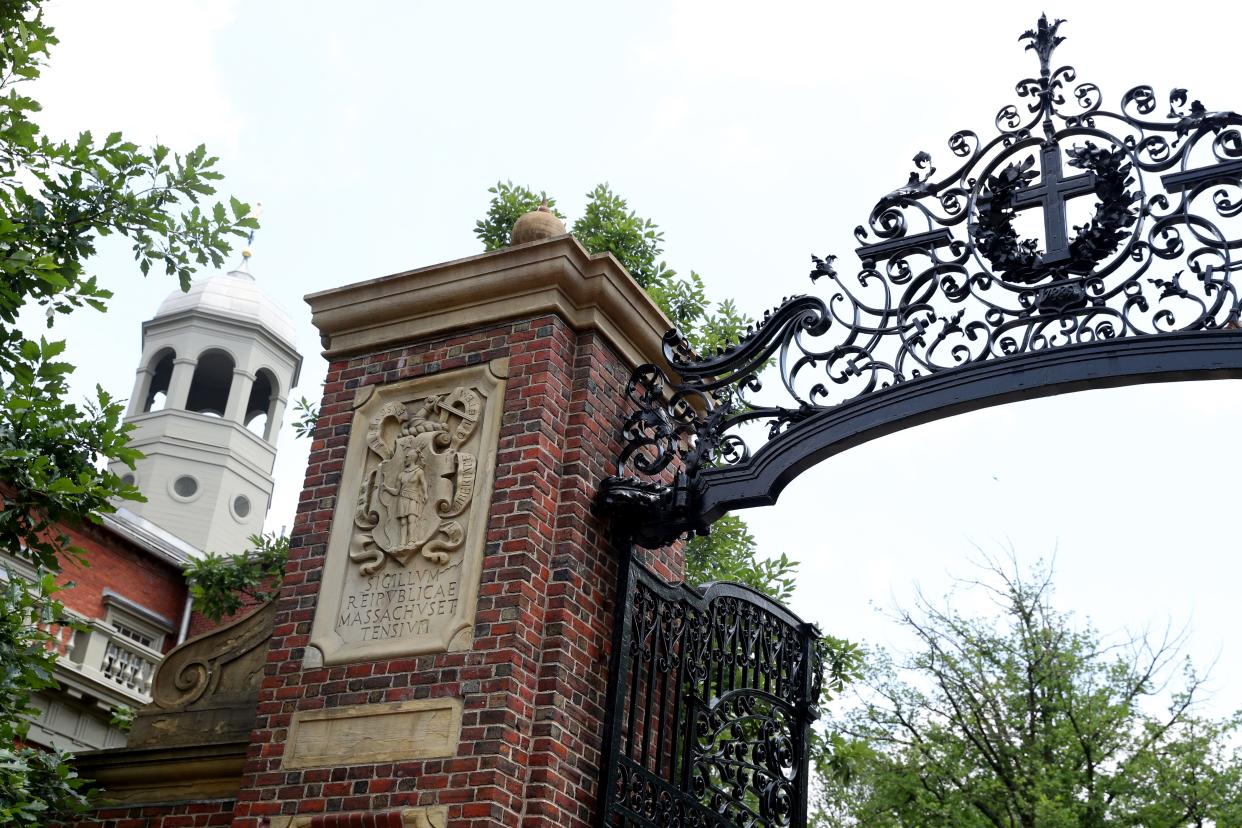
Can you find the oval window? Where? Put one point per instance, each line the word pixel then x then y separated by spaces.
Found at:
pixel 241 506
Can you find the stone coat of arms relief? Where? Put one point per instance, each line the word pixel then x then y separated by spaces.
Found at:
pixel 405 551
pixel 409 502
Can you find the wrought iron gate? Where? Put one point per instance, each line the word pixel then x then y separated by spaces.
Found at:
pixel 950 311
pixel 713 693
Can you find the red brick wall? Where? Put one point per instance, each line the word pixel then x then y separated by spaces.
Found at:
pixel 127 570
pixel 534 682
pixel 206 814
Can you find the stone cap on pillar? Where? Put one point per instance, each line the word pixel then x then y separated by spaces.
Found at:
pixel 556 275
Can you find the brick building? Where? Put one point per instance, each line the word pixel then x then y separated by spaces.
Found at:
pixel 131 601
pixel 215 372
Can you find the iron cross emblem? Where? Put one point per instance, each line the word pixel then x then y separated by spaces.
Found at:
pixel 1052 194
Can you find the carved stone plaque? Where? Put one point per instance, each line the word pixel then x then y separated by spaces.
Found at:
pixel 406 549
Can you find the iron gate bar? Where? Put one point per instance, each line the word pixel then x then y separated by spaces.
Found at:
pixel 1223 172
pixel 1201 355
pixel 883 250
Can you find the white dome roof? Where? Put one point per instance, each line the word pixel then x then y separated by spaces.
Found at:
pixel 232 295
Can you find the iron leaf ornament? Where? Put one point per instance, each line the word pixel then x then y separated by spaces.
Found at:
pixel 948 279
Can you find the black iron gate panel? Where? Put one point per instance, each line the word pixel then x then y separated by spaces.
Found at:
pixel 713 693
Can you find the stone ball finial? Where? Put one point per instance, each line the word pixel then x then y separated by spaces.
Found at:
pixel 540 223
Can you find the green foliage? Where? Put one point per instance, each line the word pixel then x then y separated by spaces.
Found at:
pixel 122 718
pixel 307 417
pixel 221 583
pixel 509 203
pixel 686 303
pixel 26 647
pixel 729 554
pixel 1029 720
pixel 610 226
pixel 36 787
pixel 57 198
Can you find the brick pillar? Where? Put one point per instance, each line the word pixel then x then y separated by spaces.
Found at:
pixel 385 707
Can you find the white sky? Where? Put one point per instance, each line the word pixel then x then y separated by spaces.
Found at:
pixel 755 135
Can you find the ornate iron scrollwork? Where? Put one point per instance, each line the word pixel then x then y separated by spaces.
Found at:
pixel 948 282
pixel 712 699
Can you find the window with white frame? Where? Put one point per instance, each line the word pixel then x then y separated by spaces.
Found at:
pixel 134 621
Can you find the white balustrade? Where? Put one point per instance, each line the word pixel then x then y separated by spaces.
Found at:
pixel 102 653
pixel 130 664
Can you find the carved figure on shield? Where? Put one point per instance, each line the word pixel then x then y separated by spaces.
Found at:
pixel 420 482
pixel 411 492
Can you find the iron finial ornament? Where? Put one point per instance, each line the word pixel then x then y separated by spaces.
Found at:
pixel 1044 41
pixel 248 251
pixel 953 307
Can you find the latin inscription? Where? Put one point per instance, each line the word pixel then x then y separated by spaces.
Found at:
pixel 399 604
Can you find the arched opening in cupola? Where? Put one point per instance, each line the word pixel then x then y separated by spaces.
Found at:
pixel 262 397
pixel 209 389
pixel 161 376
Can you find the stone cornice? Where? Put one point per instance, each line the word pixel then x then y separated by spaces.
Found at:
pixel 557 275
pixel 195 773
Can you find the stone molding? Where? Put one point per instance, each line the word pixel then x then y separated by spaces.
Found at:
pixel 591 292
pixel 205 691
pixel 132 776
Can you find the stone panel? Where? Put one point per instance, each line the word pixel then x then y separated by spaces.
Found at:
pixel 406 548
pixel 393 732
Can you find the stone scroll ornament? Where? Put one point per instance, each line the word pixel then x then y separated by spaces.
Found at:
pixel 409 502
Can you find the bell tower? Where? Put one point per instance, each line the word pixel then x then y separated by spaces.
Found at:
pixel 217 366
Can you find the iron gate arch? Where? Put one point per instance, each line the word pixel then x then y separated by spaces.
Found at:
pixel 951 311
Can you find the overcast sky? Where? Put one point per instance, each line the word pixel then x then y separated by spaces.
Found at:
pixel 755 135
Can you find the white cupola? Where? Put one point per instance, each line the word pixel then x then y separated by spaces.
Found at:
pixel 218 362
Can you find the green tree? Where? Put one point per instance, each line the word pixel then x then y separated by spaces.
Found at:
pixel 729 554
pixel 608 225
pixel 509 203
pixel 57 198
pixel 35 786
pixel 1029 720
pixel 221 584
